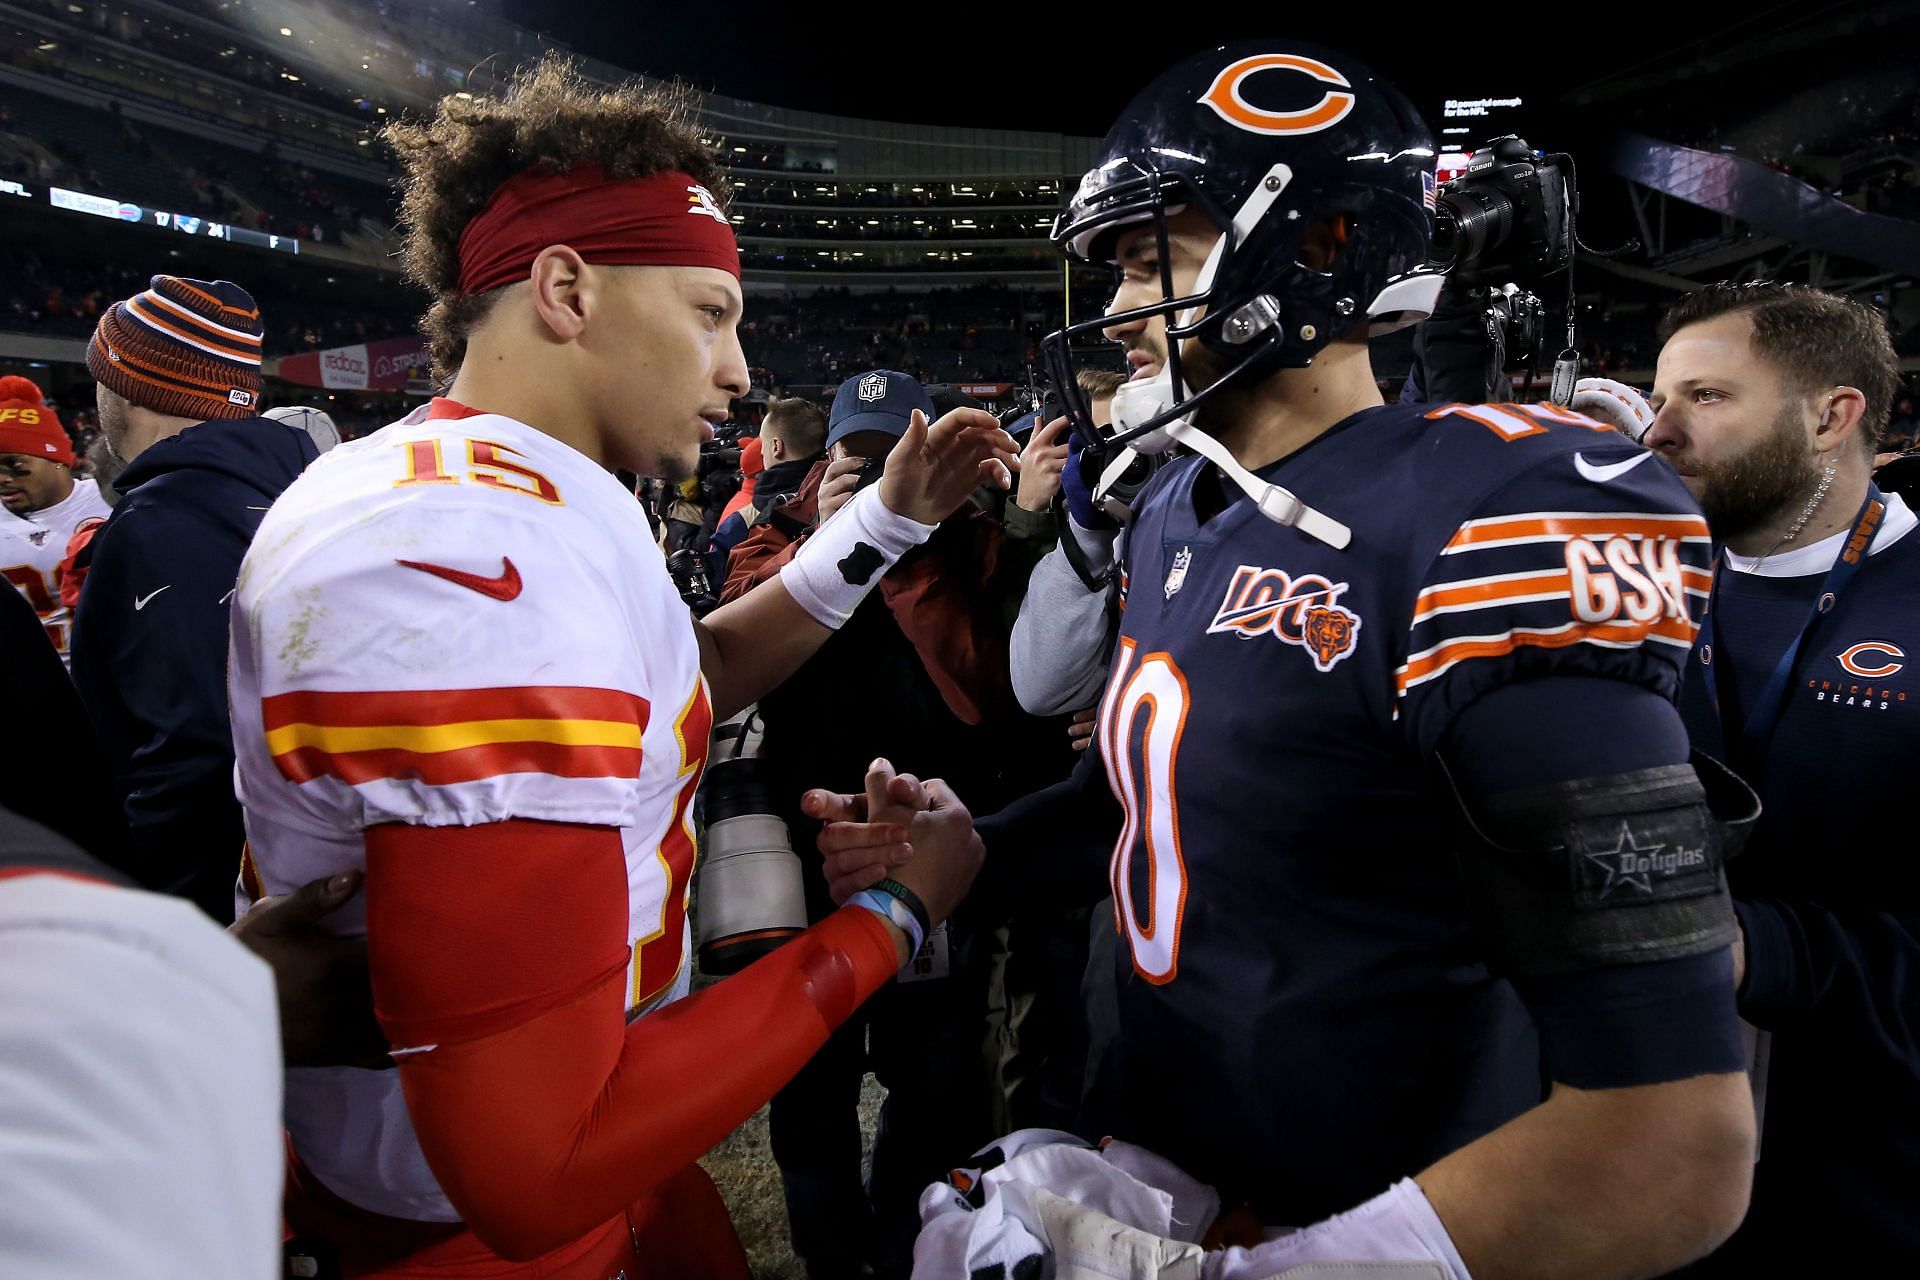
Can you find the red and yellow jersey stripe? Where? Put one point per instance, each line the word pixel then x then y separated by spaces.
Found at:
pixel 448 736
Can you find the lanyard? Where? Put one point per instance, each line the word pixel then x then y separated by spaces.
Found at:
pixel 1764 713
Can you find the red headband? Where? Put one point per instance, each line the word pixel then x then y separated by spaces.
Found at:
pixel 664 220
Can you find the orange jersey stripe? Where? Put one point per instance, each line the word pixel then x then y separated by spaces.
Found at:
pixel 466 764
pixel 1485 593
pixel 452 706
pixel 1553 525
pixel 1619 632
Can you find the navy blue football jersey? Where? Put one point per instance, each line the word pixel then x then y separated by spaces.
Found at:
pixel 1305 1010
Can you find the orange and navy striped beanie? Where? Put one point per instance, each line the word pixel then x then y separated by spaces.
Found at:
pixel 188 348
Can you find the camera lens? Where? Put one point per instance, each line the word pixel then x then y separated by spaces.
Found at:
pixel 1469 221
pixel 751 895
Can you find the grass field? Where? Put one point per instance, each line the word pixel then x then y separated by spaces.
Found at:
pixel 743 1169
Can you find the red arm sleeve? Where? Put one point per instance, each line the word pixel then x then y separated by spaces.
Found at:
pixel 940 601
pixel 498 959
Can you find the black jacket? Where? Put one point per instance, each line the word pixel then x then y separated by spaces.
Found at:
pixel 150 643
pixel 56 779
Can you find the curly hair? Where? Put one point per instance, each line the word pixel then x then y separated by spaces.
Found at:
pixel 549 115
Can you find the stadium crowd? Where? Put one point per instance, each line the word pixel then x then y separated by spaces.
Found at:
pixel 1322 785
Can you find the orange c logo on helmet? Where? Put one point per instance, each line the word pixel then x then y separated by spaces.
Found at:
pixel 1224 96
pixel 1851 659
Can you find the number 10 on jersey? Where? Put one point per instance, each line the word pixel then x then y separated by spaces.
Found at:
pixel 1142 779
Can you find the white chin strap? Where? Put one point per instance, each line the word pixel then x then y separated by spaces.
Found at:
pixel 1138 402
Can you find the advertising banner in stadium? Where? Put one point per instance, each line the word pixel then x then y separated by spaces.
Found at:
pixel 386 364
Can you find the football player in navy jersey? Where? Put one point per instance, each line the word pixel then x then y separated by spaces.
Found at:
pixel 1770 400
pixel 1399 808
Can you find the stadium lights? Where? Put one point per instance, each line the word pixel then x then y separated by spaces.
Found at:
pixel 740 150
pixel 76 8
pixel 363 142
pixel 286 31
pixel 47 46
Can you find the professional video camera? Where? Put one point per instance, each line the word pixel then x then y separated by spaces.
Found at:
pixel 1511 216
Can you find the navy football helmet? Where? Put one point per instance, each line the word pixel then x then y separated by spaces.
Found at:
pixel 1267 138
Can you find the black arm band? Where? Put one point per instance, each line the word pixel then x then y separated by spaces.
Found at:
pixel 1622 869
pixel 894 889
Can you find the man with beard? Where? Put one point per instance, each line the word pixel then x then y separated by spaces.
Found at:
pixel 1770 399
pixel 1345 623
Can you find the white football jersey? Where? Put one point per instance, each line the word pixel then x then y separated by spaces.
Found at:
pixel 32 547
pixel 457 621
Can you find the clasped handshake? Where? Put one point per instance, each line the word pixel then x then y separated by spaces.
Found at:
pixel 917 833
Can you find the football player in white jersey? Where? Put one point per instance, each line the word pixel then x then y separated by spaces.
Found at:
pixel 458 662
pixel 38 487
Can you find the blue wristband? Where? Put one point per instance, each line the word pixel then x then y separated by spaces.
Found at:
pixel 890 908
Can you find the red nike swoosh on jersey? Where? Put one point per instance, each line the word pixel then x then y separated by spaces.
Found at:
pixel 503 586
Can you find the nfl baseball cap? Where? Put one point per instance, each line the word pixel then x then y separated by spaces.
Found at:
pixel 882 400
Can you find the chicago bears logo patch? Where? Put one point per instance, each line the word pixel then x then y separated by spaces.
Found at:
pixel 1303 611
pixel 1872 659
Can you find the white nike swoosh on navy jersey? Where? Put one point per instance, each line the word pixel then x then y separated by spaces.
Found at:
pixel 140 602
pixel 1611 471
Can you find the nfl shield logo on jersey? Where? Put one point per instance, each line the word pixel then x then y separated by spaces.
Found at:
pixel 873 387
pixel 1178 574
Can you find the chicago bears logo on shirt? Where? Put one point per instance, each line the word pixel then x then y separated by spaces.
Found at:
pixel 1303 611
pixel 1872 659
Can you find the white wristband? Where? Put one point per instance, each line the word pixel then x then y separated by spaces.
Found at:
pixel 841 560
